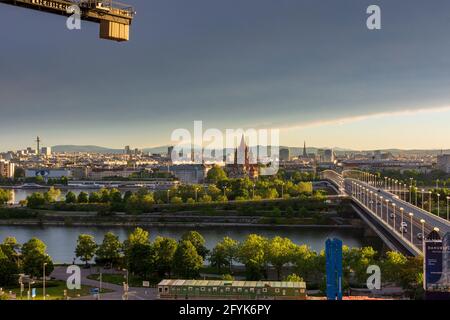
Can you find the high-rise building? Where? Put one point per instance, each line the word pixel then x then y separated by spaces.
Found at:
pixel 285 154
pixel 305 155
pixel 46 151
pixel 6 169
pixel 127 150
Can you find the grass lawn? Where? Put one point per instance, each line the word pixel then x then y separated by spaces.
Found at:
pixel 119 279
pixel 54 290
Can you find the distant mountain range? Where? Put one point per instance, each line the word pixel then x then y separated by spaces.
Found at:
pixel 295 151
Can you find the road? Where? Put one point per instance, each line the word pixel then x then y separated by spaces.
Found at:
pixel 395 220
pixel 117 291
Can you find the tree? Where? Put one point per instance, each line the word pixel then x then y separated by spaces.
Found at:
pixel 252 253
pixel 83 197
pixel 293 278
pixel 94 197
pixel 8 270
pixel 218 258
pixel 115 196
pixel 5 196
pixel 176 200
pixel 35 200
pixel 52 195
pixel 34 256
pixel 71 197
pixel 279 253
pixel 19 173
pixel 231 248
pixel 109 251
pixel 86 248
pixel 164 251
pixel 138 252
pixel 216 174
pixel 198 241
pixel 186 261
pixel 304 260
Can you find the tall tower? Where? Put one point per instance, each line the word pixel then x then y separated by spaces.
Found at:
pixel 38 141
pixel 304 149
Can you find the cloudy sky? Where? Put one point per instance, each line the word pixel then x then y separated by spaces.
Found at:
pixel 308 67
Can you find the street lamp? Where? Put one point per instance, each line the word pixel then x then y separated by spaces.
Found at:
pixel 168 195
pixel 43 281
pixel 438 203
pixel 196 190
pixel 126 285
pixel 387 211
pixel 423 231
pixel 393 206
pixel 411 216
pixel 401 224
pixel 429 200
pixel 381 208
pixel 448 198
pixel 423 200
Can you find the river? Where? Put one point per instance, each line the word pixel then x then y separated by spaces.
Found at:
pixel 61 240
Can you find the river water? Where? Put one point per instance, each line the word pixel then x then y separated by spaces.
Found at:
pixel 61 240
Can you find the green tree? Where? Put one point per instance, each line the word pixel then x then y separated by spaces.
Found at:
pixel 71 197
pixel 138 252
pixel 164 251
pixel 52 195
pixel 35 200
pixel 294 278
pixel 86 248
pixel 94 197
pixel 83 197
pixel 231 248
pixel 218 257
pixel 252 253
pixel 34 256
pixel 216 174
pixel 109 250
pixel 279 253
pixel 198 241
pixel 187 262
pixel 8 270
pixel 5 196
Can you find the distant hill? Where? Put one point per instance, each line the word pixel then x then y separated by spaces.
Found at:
pixel 295 151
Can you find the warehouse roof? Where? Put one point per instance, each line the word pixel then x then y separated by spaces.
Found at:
pixel 220 283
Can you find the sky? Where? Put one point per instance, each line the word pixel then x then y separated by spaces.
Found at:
pixel 310 68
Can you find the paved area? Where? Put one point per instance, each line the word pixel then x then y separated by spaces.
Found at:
pixel 135 293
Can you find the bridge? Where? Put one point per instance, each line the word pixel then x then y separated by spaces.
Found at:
pixel 402 225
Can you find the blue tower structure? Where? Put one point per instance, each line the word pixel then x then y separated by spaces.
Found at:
pixel 333 253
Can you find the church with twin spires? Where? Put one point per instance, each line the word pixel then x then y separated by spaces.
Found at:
pixel 244 163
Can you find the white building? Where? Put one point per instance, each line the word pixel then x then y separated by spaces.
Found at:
pixel 48 173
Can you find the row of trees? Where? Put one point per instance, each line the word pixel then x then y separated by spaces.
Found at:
pixel 143 199
pixel 28 258
pixel 167 257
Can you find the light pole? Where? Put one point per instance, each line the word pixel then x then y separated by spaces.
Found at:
pixel 423 200
pixel 422 221
pixel 126 285
pixel 438 203
pixel 411 216
pixel 253 191
pixel 371 201
pixel 168 195
pixel 401 224
pixel 385 183
pixel 196 190
pixel 381 207
pixel 429 200
pixel 410 194
pixel 393 210
pixel 415 193
pixel 43 281
pixel 448 198
pixel 224 188
pixel 387 211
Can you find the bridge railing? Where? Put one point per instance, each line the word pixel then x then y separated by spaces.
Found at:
pixel 370 201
